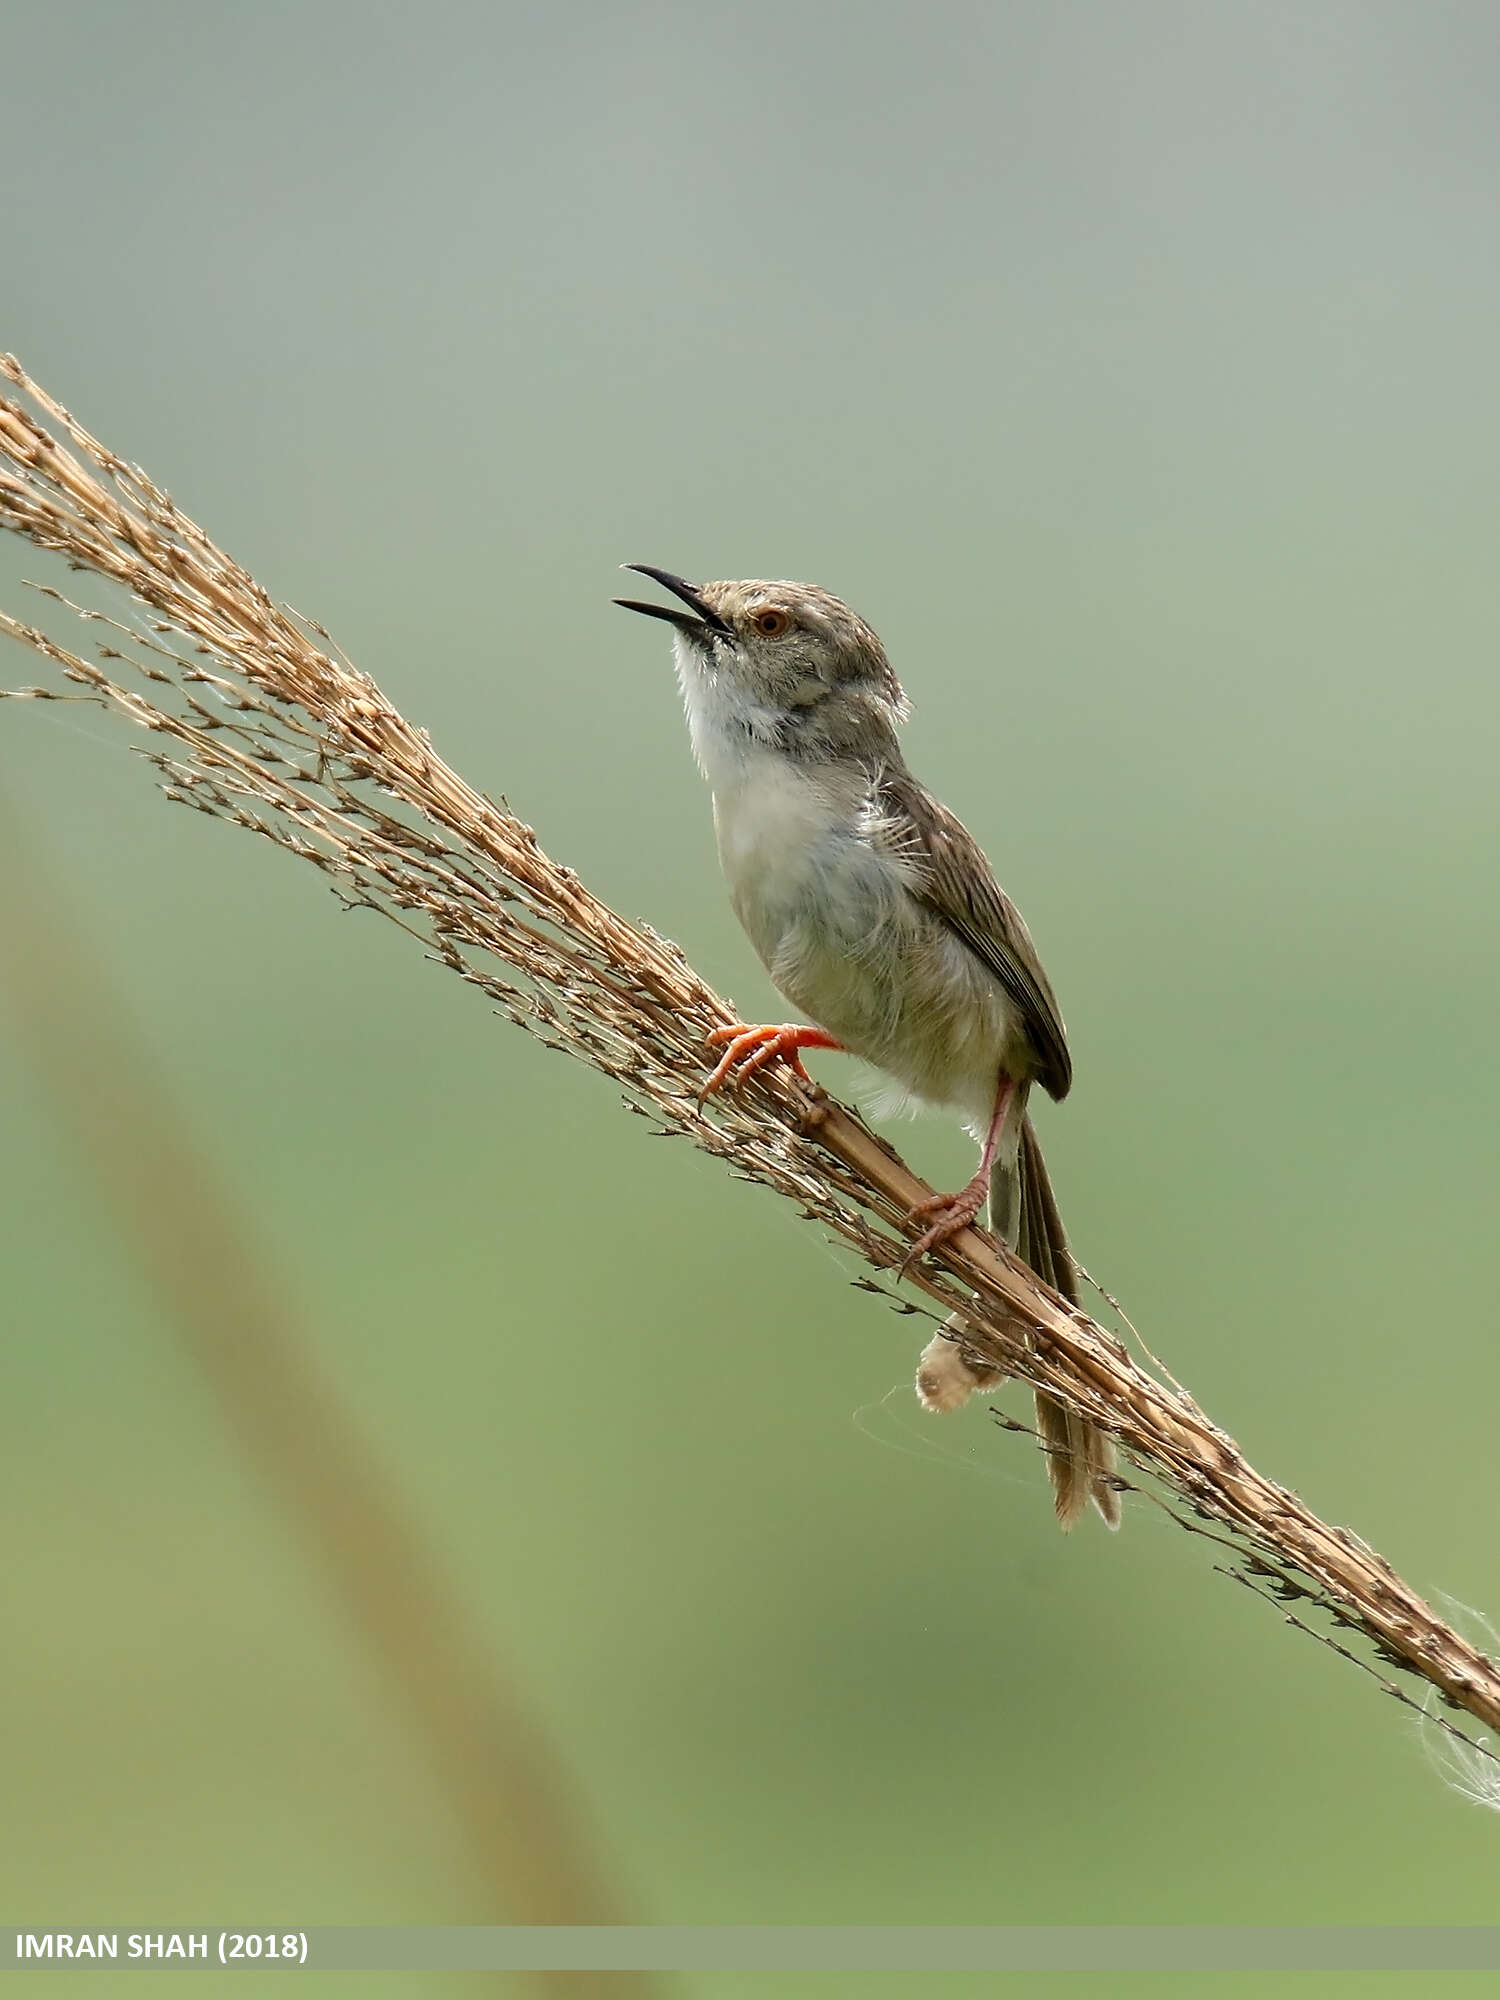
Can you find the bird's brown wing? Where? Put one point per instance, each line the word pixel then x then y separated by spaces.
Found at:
pixel 960 888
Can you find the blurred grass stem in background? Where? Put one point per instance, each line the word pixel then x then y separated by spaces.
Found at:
pixel 527 1848
pixel 266 726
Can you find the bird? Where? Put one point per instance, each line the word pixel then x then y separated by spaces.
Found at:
pixel 878 917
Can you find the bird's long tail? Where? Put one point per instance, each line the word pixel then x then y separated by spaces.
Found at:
pixel 1080 1457
pixel 1023 1214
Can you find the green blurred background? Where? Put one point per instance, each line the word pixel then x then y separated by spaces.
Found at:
pixel 1133 369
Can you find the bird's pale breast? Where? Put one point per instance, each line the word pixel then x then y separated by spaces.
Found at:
pixel 829 906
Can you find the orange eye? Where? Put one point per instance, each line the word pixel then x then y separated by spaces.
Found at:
pixel 772 622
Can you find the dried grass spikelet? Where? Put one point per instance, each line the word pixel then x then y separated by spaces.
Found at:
pixel 262 721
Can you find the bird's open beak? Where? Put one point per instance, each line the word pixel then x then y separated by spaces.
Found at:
pixel 704 620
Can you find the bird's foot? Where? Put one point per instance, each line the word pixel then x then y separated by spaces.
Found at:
pixel 950 1213
pixel 750 1049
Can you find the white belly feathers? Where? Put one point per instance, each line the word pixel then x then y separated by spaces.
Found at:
pixel 830 910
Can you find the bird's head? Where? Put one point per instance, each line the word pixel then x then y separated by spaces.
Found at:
pixel 790 649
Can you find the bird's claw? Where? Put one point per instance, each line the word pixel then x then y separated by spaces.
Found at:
pixel 747 1049
pixel 951 1215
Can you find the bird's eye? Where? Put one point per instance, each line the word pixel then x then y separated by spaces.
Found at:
pixel 772 622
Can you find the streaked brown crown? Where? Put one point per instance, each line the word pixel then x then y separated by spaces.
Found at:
pixel 799 620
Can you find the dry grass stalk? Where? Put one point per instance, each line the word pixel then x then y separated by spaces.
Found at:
pixel 264 723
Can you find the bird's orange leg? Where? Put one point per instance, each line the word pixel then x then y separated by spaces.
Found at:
pixel 952 1212
pixel 750 1049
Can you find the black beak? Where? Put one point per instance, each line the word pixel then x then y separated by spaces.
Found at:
pixel 703 619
